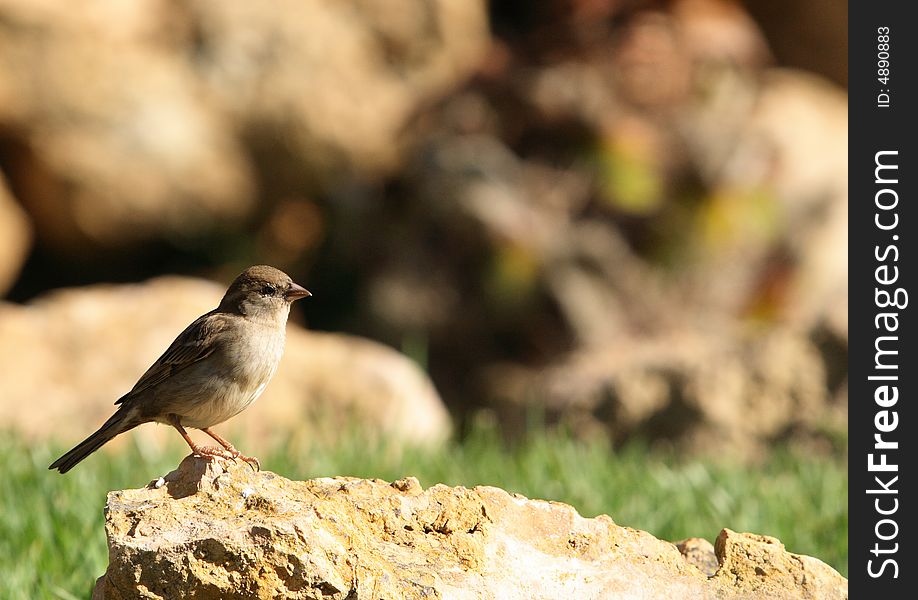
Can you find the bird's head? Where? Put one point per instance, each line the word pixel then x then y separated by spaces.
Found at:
pixel 262 292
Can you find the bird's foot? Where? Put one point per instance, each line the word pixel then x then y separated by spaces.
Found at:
pixel 214 452
pixel 228 447
pixel 226 454
pixel 250 460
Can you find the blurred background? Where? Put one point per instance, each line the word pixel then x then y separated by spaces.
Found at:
pixel 631 215
pixel 620 219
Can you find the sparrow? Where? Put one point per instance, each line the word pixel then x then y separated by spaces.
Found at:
pixel 214 369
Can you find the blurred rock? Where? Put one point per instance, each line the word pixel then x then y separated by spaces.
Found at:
pixel 783 139
pixel 109 138
pixel 653 68
pixel 523 230
pixel 66 357
pixel 141 121
pixel 15 237
pixel 765 233
pixel 218 530
pixel 335 380
pixel 722 31
pixel 709 391
pixel 643 195
pixel 699 552
pixel 804 122
pixel 336 82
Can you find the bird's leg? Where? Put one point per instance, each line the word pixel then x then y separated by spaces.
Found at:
pixel 232 450
pixel 208 451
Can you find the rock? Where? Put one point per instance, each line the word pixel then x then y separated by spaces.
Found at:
pixel 799 116
pixel 112 141
pixel 778 222
pixel 691 202
pixel 147 122
pixel 16 233
pixel 219 530
pixel 337 82
pixel 759 566
pixel 80 349
pixel 699 552
pixel 339 378
pixel 711 391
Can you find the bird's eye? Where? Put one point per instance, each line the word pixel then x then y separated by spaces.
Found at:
pixel 268 290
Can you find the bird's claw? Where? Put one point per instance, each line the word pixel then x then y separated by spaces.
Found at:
pixel 221 453
pixel 214 452
pixel 252 462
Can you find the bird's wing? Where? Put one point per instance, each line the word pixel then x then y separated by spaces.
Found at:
pixel 196 343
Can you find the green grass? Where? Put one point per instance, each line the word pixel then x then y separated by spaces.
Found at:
pixel 53 542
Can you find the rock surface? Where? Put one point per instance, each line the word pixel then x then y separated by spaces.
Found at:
pixel 701 553
pixel 759 566
pixel 219 530
pixel 80 349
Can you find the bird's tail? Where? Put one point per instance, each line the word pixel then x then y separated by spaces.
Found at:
pixel 119 422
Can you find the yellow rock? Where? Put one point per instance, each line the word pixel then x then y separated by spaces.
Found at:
pixel 220 530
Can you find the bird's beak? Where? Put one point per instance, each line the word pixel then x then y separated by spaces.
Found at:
pixel 296 292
